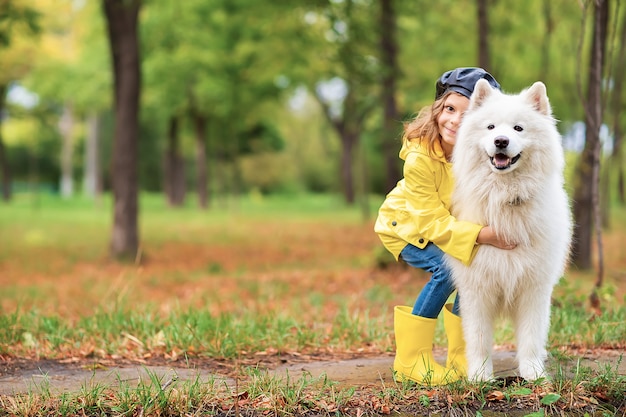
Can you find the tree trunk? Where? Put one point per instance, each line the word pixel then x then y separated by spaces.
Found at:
pixel 389 54
pixel 587 182
pixel 545 46
pixel 201 165
pixel 122 21
pixel 349 140
pixel 66 128
pixel 348 128
pixel 92 181
pixel 484 58
pixel 5 169
pixel 174 167
pixel 617 105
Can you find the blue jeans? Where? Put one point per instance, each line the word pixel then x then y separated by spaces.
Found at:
pixel 438 289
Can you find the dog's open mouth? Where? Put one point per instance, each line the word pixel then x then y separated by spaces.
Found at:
pixel 502 161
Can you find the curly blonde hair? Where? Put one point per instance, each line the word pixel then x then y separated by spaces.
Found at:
pixel 424 126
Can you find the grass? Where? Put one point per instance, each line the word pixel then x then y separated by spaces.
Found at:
pixel 260 275
pixel 264 394
pixel 224 336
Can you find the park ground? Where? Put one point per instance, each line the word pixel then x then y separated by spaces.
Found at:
pixel 57 265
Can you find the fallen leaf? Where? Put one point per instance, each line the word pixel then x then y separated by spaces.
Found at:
pixel 495 396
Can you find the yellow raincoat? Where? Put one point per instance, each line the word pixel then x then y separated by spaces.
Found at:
pixel 417 210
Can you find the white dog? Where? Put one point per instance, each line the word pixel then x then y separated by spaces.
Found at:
pixel 508 167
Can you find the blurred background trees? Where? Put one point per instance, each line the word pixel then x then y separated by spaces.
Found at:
pixel 250 96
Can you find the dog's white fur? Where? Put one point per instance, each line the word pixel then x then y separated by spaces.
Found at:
pixel 521 195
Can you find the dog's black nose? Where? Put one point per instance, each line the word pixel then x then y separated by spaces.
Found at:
pixel 501 142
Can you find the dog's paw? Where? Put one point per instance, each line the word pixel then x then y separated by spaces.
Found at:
pixel 533 372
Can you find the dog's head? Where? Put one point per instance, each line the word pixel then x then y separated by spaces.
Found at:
pixel 510 130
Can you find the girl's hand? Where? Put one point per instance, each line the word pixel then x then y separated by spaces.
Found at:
pixel 487 236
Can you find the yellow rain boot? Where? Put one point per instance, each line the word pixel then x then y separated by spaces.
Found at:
pixel 457 361
pixel 414 350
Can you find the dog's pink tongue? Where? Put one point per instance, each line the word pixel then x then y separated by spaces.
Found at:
pixel 501 160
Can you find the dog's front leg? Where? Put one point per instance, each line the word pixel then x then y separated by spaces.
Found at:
pixel 478 317
pixel 532 323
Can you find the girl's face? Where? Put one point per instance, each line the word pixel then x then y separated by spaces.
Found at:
pixel 450 118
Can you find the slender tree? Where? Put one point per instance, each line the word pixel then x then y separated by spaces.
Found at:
pixel 174 173
pixel 391 71
pixel 349 128
pixel 353 45
pixel 484 57
pixel 545 45
pixel 200 123
pixel 66 128
pixel 122 20
pixel 92 181
pixel 5 168
pixel 586 188
pixel 617 108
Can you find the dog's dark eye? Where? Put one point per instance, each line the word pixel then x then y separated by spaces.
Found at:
pixel 518 128
pixel 490 127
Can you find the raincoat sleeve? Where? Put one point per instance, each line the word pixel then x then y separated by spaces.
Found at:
pixel 428 186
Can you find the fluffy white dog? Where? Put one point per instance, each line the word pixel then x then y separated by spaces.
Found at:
pixel 508 167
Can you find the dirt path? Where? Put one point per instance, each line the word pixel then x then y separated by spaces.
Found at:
pixel 56 377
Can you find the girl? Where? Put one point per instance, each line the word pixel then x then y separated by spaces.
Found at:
pixel 414 223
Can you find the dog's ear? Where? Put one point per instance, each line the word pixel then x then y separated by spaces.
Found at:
pixel 482 90
pixel 538 98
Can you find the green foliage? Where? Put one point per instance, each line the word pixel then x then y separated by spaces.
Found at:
pixel 239 64
pixel 15 18
pixel 35 168
pixel 269 173
pixel 80 73
pixel 33 148
pixel 319 175
pixel 261 137
pixel 151 161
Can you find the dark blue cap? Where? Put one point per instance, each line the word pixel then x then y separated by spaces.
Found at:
pixel 462 81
